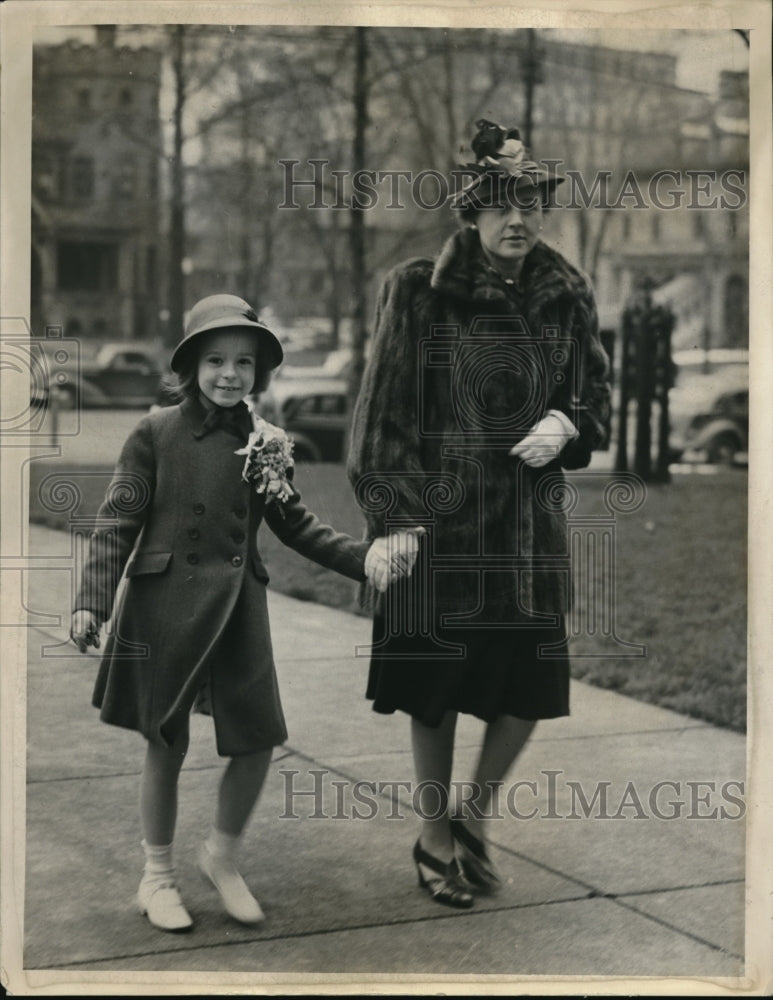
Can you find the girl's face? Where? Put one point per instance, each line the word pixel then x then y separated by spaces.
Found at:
pixel 226 371
pixel 507 234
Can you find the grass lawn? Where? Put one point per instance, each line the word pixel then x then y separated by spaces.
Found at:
pixel 680 587
pixel 679 583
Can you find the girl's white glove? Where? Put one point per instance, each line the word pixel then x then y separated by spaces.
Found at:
pixel 546 439
pixel 392 557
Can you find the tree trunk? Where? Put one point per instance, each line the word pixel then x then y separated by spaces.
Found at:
pixel 357 221
pixel 177 218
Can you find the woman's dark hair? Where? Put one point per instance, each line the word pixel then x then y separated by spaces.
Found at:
pixel 184 384
pixel 497 192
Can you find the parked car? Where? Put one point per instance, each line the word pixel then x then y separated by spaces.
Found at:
pixel 121 374
pixel 709 406
pixel 314 411
pixel 721 435
pixel 337 364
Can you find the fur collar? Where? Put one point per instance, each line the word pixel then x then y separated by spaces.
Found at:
pixel 461 271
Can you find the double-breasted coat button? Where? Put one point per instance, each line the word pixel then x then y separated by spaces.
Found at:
pixel 240 512
pixel 192 558
pixel 198 508
pixel 237 561
pixel 238 537
pixel 194 533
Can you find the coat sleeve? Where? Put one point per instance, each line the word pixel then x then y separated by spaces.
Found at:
pixel 590 409
pixel 385 440
pixel 119 521
pixel 295 526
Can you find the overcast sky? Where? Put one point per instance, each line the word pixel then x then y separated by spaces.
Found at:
pixel 702 54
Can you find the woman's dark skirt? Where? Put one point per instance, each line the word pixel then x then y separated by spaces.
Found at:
pixel 519 670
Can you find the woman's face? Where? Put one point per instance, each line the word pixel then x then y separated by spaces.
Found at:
pixel 226 371
pixel 507 234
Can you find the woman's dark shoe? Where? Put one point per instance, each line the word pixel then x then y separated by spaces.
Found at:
pixel 475 862
pixel 448 887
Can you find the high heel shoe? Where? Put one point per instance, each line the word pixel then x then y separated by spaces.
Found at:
pixel 448 888
pixel 475 862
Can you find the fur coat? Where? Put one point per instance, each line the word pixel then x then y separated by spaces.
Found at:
pixel 463 365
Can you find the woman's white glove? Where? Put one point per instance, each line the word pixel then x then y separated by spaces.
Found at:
pixel 546 439
pixel 84 630
pixel 392 557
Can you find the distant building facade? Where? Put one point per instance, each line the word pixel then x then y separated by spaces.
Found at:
pixel 96 138
pixel 658 187
pixel 676 208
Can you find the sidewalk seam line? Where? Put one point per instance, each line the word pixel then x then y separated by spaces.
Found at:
pixel 470 914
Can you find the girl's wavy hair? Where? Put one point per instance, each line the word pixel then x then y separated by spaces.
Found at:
pixel 184 384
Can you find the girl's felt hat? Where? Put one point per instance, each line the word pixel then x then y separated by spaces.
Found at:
pixel 502 169
pixel 220 312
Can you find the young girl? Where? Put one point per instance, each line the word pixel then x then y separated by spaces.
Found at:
pixel 191 626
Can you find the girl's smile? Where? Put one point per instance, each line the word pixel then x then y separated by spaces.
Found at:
pixel 226 371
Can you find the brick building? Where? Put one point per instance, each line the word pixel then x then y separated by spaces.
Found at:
pixel 96 145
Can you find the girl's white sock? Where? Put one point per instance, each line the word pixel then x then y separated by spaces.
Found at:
pixel 159 868
pixel 222 845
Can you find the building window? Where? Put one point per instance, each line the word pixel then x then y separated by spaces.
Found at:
pixel 736 309
pixel 626 226
pixel 87 267
pixel 125 178
pixel 316 283
pixel 82 177
pixel 151 270
pixel 45 175
pixel 125 97
pixel 655 227
pixel 84 98
pixel 698 224
pixel 152 179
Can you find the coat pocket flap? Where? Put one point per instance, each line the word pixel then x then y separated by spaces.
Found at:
pixel 148 562
pixel 259 570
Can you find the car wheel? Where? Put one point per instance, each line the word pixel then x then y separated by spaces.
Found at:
pixel 65 397
pixel 301 453
pixel 723 449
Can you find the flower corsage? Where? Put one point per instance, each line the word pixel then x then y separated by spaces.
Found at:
pixel 269 458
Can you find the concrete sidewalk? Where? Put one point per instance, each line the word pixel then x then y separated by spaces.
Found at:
pixel 647 879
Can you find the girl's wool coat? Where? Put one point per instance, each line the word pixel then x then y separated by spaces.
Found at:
pixel 182 524
pixel 463 365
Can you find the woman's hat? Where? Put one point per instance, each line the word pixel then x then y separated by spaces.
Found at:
pixel 502 163
pixel 218 312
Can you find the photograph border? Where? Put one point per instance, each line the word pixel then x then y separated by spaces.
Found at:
pixel 19 19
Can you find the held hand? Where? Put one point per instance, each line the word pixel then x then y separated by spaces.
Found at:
pixel 545 440
pixel 393 557
pixel 84 631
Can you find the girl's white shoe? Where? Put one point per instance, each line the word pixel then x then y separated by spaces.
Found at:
pixel 236 898
pixel 161 904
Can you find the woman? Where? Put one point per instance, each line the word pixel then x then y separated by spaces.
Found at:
pixel 486 378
